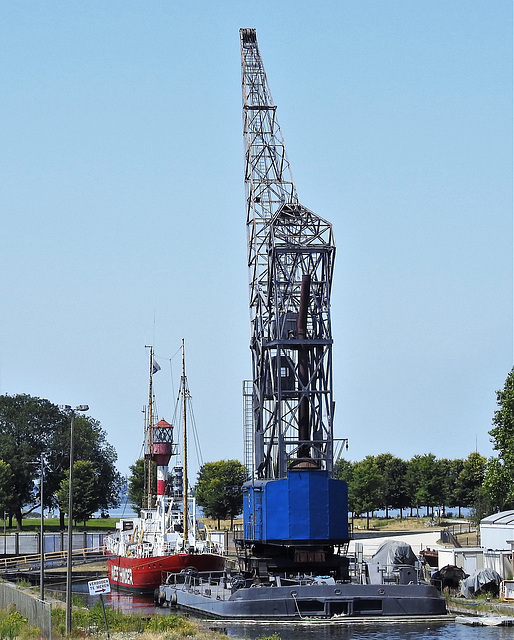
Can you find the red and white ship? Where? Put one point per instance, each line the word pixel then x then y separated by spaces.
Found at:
pixel 166 537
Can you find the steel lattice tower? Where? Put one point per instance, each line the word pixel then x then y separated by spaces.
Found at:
pixel 290 258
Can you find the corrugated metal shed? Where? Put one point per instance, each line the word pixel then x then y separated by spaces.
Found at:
pixel 504 517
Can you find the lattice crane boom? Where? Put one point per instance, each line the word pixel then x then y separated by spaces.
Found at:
pixel 268 179
pixel 290 259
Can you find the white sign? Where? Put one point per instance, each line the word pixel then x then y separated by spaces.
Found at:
pixel 99 586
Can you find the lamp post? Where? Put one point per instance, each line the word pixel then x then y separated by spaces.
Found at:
pixel 71 412
pixel 42 543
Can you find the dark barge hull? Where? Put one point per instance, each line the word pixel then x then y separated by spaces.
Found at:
pixel 310 601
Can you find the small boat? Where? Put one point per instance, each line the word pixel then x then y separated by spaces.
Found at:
pixel 486 621
pixel 431 557
pixel 166 537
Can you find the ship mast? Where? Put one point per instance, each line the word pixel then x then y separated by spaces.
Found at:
pixel 149 434
pixel 184 444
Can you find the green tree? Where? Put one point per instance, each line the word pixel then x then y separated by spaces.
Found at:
pixel 382 461
pixel 343 470
pixel 451 469
pixel 425 481
pixel 89 444
pixel 501 472
pixel 392 479
pixel 6 481
pixel 497 485
pixel 27 425
pixel 482 507
pixel 395 489
pixel 219 489
pixel 469 481
pixel 86 491
pixel 31 427
pixel 365 487
pixel 136 483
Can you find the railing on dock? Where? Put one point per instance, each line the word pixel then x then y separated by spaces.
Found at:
pixel 449 534
pixel 31 561
pixel 26 542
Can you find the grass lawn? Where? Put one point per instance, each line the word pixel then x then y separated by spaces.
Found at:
pixel 402 524
pixel 52 524
pixel 100 525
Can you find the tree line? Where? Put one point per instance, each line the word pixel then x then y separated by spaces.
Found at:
pixel 483 485
pixel 32 429
pixel 386 482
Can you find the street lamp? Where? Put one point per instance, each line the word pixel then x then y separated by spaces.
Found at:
pixel 42 530
pixel 42 542
pixel 71 412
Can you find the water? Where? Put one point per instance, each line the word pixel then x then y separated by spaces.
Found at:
pixel 123 511
pixel 422 512
pixel 376 631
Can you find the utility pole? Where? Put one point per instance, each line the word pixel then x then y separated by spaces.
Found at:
pixel 69 562
pixel 42 538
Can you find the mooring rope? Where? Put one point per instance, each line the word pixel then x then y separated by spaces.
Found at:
pixel 293 595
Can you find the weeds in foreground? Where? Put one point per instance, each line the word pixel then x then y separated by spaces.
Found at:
pixel 92 621
pixel 14 625
pixel 479 604
pixel 23 584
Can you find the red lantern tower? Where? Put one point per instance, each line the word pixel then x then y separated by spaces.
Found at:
pixel 162 450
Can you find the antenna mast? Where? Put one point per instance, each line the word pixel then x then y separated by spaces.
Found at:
pixel 149 436
pixel 185 392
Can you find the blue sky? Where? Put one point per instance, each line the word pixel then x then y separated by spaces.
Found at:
pixel 122 203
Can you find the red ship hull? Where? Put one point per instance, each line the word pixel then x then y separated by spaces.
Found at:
pixel 144 575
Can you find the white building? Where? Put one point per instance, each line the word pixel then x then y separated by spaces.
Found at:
pixel 469 559
pixel 497 531
pixel 495 552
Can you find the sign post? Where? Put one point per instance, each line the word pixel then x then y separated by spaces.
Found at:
pixel 98 588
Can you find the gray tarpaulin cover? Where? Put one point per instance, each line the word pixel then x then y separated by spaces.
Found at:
pixel 394 552
pixel 472 585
